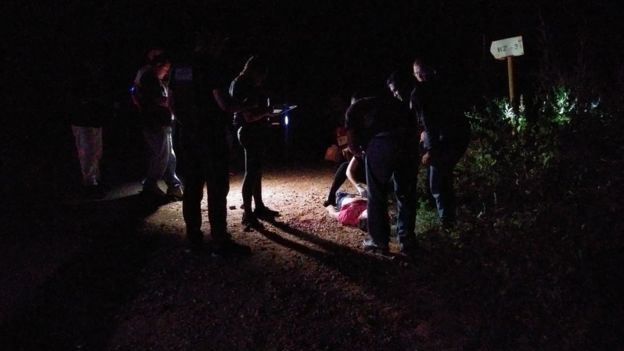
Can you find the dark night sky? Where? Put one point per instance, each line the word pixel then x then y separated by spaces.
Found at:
pixel 317 48
pixel 313 45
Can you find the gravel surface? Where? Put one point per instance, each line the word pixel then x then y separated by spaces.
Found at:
pixel 116 275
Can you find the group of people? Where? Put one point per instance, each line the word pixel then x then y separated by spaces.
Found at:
pixel 392 135
pixel 204 139
pixel 199 99
pixel 388 137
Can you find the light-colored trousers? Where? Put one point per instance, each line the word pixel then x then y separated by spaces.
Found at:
pixel 89 147
pixel 161 158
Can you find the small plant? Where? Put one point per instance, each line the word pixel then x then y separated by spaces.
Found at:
pixel 426 217
pixel 562 106
pixel 516 119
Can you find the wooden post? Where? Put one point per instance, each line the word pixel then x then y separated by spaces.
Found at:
pixel 511 82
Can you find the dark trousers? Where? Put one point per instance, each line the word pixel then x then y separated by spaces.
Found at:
pixel 253 139
pixel 440 180
pixel 339 179
pixel 206 164
pixel 389 161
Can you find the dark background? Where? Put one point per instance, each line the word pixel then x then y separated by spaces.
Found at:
pixel 320 53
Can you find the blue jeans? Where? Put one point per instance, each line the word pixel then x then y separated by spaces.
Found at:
pixel 440 174
pixel 389 161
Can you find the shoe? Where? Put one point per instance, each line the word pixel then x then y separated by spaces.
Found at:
pixel 228 247
pixel 369 245
pixel 250 221
pixel 329 202
pixel 175 192
pixel 265 213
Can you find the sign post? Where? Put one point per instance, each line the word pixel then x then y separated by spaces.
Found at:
pixel 508 48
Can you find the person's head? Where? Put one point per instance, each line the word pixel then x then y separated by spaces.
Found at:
pixel 256 68
pixel 422 72
pixel 152 53
pixel 161 65
pixel 400 85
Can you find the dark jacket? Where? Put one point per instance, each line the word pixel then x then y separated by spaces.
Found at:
pixel 442 120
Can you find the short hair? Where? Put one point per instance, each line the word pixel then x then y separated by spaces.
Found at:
pixel 255 64
pixel 401 80
pixel 152 53
pixel 160 59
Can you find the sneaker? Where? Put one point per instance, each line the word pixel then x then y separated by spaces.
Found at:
pixel 175 192
pixel 369 245
pixel 250 221
pixel 265 213
pixel 229 247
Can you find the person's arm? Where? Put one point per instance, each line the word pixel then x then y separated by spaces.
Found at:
pixel 240 91
pixel 353 164
pixel 256 113
pixel 357 129
pixel 431 119
pixel 228 103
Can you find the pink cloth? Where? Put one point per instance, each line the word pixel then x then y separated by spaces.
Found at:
pixel 350 213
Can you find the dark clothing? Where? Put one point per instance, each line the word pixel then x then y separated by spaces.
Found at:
pixel 208 75
pixel 153 96
pixel 339 179
pixel 443 122
pixel 243 89
pixel 391 160
pixel 253 138
pixel 447 134
pixel 205 151
pixel 370 116
pixel 391 157
pixel 341 176
pixel 182 99
pixel 206 164
pixel 89 104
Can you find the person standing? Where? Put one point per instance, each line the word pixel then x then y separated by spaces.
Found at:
pixel 445 137
pixel 152 94
pixel 203 134
pixel 383 130
pixel 253 133
pixel 88 110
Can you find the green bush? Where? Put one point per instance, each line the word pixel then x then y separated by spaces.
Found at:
pixel 516 151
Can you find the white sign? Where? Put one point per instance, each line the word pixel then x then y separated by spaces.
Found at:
pixel 507 47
